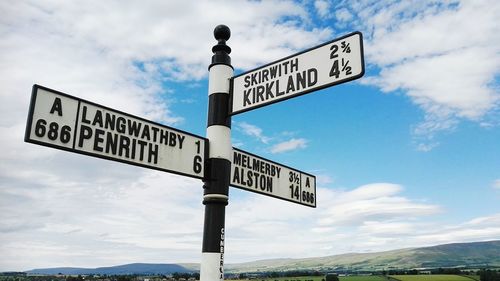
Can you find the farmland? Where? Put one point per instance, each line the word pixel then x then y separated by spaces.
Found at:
pixel 320 278
pixel 363 278
pixel 437 277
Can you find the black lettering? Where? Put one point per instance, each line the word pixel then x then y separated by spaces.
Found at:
pixel 256 175
pixel 273 70
pixel 181 140
pixel 85 134
pixel 237 158
pixel 111 142
pixel 109 121
pixel 56 106
pixel 98 140
pixel 246 97
pixel 98 119
pixel 308 184
pixel 142 144
pixel 172 139
pixel 244 162
pixel 265 73
pixel 290 87
pixel 84 115
pixel 301 80
pixel 164 137
pixel 145 133
pixel 133 147
pixel 255 164
pixel 269 92
pixel 285 64
pixel 134 128
pixel 312 79
pixel 155 133
pixel 263 183
pixel 236 175
pixel 254 79
pixel 247 81
pixel 124 147
pixel 260 93
pixel 249 178
pixel 269 186
pixel 121 125
pixel 197 164
pixel 278 93
pixel 294 65
pixel 153 153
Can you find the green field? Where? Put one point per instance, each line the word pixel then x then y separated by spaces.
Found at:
pixel 303 278
pixel 362 278
pixel 320 278
pixel 434 277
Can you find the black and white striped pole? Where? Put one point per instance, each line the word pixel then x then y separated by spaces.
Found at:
pixel 216 183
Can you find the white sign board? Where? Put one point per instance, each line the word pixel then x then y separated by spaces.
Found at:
pixel 254 173
pixel 328 64
pixel 65 122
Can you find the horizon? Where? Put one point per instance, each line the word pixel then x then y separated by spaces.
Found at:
pixel 260 260
pixel 194 263
pixel 406 156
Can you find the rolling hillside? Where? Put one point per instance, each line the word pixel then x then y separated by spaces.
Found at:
pixel 478 254
pixel 134 268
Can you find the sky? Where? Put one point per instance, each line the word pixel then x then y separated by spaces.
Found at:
pixel 406 156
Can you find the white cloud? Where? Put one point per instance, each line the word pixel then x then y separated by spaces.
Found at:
pixel 289 145
pixel 116 221
pixel 478 229
pixel 389 229
pixel 426 146
pixel 433 52
pixel 373 217
pixel 322 8
pixel 252 130
pixel 369 202
pixel 343 15
pixel 436 88
pixel 322 179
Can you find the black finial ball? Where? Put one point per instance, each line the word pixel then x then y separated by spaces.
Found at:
pixel 222 32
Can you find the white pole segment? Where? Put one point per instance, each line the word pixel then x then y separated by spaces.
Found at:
pixel 220 142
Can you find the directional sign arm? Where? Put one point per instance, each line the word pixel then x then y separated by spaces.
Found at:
pixel 256 174
pixel 65 122
pixel 334 62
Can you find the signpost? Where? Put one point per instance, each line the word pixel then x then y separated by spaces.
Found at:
pixel 328 64
pixel 65 122
pixel 256 174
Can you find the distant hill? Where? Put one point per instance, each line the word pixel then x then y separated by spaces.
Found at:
pixel 477 254
pixel 134 268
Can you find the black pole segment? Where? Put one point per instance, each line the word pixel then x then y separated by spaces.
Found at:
pixel 218 110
